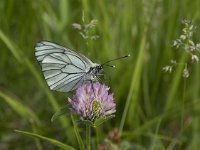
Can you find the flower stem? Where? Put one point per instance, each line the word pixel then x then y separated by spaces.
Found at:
pixel 88 134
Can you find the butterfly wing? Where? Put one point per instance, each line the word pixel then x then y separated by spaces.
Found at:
pixel 63 69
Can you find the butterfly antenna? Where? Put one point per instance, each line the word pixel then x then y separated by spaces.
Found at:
pixel 115 60
pixel 109 65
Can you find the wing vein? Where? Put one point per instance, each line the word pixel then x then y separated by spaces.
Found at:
pixel 77 56
pixel 70 82
pixel 63 79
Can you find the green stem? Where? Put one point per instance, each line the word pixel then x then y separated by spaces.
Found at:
pixel 78 137
pixel 135 85
pixel 97 136
pixel 88 134
pixel 183 109
pixel 183 105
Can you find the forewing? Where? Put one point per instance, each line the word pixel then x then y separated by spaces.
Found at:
pixel 45 48
pixel 61 75
pixel 63 69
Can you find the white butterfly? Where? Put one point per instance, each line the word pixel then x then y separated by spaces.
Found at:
pixel 64 69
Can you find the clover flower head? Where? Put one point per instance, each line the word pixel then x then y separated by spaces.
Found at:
pixel 92 101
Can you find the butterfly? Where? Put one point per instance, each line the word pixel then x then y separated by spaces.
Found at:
pixel 64 69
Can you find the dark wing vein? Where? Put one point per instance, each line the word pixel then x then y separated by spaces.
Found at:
pixel 58 49
pixel 49 53
pixel 62 79
pixel 77 83
pixel 70 82
pixel 76 66
pixel 60 59
pixel 54 58
pixel 56 87
pixel 77 56
pixel 54 75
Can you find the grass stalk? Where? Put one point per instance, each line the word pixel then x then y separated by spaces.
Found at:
pixel 88 137
pixel 134 85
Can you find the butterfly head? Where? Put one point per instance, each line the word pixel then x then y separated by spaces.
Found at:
pixel 97 69
pixel 94 71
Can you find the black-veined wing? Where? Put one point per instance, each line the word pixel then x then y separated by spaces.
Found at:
pixel 63 69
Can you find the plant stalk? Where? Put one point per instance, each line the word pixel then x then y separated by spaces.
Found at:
pixel 88 138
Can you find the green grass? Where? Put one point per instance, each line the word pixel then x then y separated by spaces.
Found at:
pixel 155 110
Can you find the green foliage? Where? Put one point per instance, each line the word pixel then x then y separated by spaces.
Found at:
pixel 97 122
pixel 100 121
pixel 65 110
pixel 78 136
pixel 49 140
pixel 19 108
pixel 155 110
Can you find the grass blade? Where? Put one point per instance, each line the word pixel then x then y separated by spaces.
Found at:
pixel 100 121
pixel 78 137
pixel 19 108
pixel 134 85
pixel 49 140
pixel 63 111
pixel 10 46
pixel 14 49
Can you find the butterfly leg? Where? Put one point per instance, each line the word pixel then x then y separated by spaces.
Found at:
pixel 99 79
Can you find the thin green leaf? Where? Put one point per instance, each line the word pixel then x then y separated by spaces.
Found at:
pixel 19 108
pixel 87 122
pixel 18 53
pixel 79 139
pixel 11 46
pixel 37 141
pixel 102 120
pixel 63 111
pixel 49 140
pixel 135 85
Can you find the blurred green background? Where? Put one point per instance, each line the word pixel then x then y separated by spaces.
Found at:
pixel 164 109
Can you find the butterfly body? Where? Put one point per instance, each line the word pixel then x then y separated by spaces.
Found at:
pixel 94 71
pixel 64 69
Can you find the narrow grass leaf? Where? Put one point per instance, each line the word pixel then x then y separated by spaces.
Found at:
pixel 175 112
pixel 99 121
pixel 78 137
pixel 63 111
pixel 11 46
pixel 35 130
pixel 19 108
pixel 174 84
pixel 134 87
pixel 30 66
pixel 87 122
pixel 46 139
